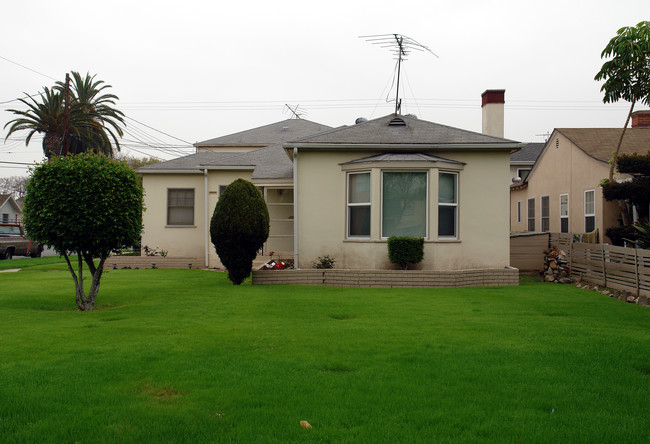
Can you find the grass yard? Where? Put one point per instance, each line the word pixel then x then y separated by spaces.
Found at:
pixel 184 356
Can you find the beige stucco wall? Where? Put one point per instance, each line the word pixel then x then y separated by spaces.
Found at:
pixel 183 241
pixel 563 168
pixel 483 213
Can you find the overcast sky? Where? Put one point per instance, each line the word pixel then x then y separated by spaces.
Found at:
pixel 196 70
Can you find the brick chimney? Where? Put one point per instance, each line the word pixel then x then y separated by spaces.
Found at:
pixel 493 102
pixel 641 119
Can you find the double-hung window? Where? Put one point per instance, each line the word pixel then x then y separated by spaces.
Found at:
pixel 564 213
pixel 180 206
pixel 545 213
pixel 590 211
pixel 531 214
pixel 447 205
pixel 404 203
pixel 358 204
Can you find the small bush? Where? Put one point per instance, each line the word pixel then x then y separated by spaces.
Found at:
pixel 405 250
pixel 324 262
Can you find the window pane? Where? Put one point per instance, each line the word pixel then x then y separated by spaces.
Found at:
pixel 564 205
pixel 446 221
pixel 359 220
pixel 359 188
pixel 446 188
pixel 589 203
pixel 531 214
pixel 180 207
pixel 564 225
pixel 404 201
pixel 590 224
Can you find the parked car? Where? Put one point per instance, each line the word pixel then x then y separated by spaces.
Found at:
pixel 13 242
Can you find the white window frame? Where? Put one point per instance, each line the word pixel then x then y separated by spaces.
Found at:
pixel 543 218
pixel 564 213
pixel 169 190
pixel 593 212
pixel 455 204
pixel 349 204
pixel 528 216
pixel 381 198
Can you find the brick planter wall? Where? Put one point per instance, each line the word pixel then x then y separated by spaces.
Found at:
pixel 389 278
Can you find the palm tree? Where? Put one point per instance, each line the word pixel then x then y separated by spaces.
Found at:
pixel 90 96
pixel 47 117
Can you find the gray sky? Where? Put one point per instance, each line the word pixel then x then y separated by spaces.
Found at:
pixel 196 70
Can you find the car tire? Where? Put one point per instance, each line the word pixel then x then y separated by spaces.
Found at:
pixel 9 254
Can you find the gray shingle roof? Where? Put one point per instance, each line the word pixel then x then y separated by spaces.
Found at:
pixel 414 132
pixel 271 134
pixel 270 162
pixel 529 153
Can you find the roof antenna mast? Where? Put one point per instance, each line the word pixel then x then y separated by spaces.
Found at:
pixel 401 46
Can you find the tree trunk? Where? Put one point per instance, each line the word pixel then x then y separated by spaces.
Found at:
pixel 86 303
pixel 622 205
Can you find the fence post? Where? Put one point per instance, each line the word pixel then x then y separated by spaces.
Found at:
pixel 602 255
pixel 636 272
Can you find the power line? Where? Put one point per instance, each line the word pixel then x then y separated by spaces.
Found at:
pixel 27 68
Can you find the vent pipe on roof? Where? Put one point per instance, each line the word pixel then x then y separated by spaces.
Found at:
pixel 493 102
pixel 360 120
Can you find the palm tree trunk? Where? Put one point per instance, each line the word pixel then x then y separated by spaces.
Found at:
pixel 52 145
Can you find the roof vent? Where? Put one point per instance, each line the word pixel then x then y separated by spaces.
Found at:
pixel 412 116
pixel 397 121
pixel 360 120
pixel 285 128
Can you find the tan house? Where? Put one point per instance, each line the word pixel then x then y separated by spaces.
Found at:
pixel 342 192
pixel 561 193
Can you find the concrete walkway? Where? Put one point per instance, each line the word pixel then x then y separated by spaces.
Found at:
pixel 11 270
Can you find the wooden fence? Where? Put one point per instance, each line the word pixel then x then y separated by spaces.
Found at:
pixel 607 265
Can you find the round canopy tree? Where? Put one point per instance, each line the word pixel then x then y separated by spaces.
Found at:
pixel 239 228
pixel 88 205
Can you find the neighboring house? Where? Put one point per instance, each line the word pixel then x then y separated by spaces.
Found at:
pixel 10 210
pixel 562 194
pixel 342 192
pixel 180 194
pixel 522 161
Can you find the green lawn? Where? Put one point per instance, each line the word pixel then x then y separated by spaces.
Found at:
pixel 184 356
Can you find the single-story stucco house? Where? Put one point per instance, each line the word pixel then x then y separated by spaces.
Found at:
pixel 343 191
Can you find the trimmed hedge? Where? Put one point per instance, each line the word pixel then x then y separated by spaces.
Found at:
pixel 239 228
pixel 404 250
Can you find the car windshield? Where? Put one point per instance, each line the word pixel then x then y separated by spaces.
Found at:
pixel 11 230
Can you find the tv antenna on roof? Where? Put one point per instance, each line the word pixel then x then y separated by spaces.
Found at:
pixel 296 111
pixel 401 46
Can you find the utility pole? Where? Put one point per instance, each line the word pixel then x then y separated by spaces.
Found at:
pixel 66 117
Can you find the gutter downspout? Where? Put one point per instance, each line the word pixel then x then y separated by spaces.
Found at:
pixel 295 208
pixel 207 217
